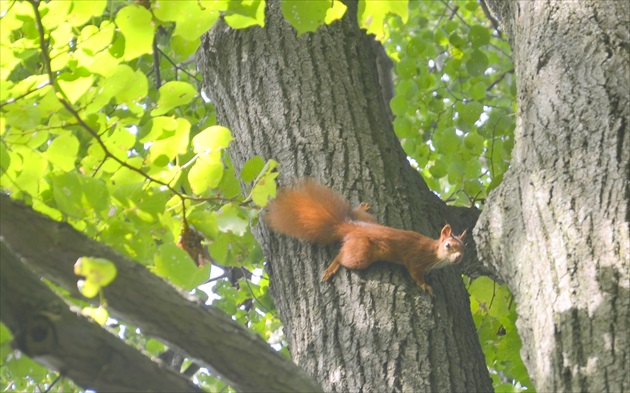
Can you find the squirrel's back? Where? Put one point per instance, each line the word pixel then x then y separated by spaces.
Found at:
pixel 309 211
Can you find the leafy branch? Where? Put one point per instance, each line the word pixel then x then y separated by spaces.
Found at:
pixel 65 102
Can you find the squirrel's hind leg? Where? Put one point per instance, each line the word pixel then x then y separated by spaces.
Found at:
pixel 332 269
pixel 355 253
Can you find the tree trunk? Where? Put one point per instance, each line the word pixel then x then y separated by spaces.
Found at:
pixel 314 104
pixel 557 228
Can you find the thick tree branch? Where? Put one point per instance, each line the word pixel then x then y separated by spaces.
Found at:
pixel 54 335
pixel 243 359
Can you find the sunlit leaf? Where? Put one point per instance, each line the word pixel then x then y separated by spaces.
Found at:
pixel 230 219
pixel 305 16
pixel 5 159
pixel 337 11
pixel 173 140
pixel 172 95
pixel 206 172
pixel 98 314
pixel 212 139
pixel 62 152
pixel 245 13
pixel 192 18
pixel 98 272
pixel 175 264
pixel 135 25
pixel 372 14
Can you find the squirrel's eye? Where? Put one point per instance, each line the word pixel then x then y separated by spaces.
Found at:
pixel 447 245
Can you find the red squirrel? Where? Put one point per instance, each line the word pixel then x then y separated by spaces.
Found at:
pixel 313 212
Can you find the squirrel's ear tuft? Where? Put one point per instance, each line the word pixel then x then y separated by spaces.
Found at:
pixel 446 232
pixel 463 235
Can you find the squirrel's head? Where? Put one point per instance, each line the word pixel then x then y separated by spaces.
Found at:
pixel 451 248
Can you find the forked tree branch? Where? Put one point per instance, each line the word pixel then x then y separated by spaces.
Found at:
pixel 141 298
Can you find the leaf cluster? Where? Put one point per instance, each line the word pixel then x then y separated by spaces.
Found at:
pixel 102 125
pixel 454 97
pixel 494 313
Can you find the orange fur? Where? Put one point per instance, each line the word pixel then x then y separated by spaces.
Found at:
pixel 310 211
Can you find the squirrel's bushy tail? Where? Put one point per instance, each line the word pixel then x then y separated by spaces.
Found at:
pixel 310 211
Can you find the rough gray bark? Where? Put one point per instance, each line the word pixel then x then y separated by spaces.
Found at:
pixel 314 104
pixel 557 228
pixel 136 296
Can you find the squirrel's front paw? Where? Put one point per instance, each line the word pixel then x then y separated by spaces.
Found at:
pixel 427 288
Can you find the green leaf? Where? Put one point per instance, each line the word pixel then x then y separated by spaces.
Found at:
pixel 175 264
pixel 134 22
pixel 31 179
pixel 427 82
pixel 252 168
pixel 337 11
pixel 402 127
pixel 219 249
pixel 456 171
pixel 172 95
pixel 469 113
pixel 92 44
pixel 406 68
pixel 305 16
pixel 22 117
pixel 398 104
pixel 372 14
pixel 245 13
pixel 439 169
pixel 5 159
pixel 264 189
pixel 229 185
pixel 205 222
pixel 172 141
pixel 95 194
pixel 124 176
pixel 154 347
pixel 478 36
pixel 98 273
pixel 23 367
pixel 447 141
pixel 230 219
pixel 99 314
pixel 456 40
pixel 78 196
pixel 183 47
pixel 124 85
pixel 474 143
pixel 482 289
pixel 62 152
pixel 192 18
pixel 212 139
pixel 478 91
pixel 54 13
pixel 441 38
pixel 477 64
pixel 205 173
pixel 82 11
